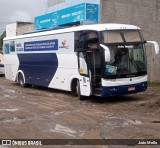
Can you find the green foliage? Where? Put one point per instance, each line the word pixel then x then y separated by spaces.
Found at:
pixel 158 99
pixel 154 84
pixel 1 38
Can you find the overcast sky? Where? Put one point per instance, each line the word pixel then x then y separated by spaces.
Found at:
pixel 20 10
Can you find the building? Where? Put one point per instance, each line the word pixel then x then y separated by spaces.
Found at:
pixel 142 13
pixel 62 12
pixel 19 28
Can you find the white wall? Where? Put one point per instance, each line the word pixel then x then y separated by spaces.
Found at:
pixel 11 29
pixel 18 28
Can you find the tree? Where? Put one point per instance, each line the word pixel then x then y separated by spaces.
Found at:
pixel 1 38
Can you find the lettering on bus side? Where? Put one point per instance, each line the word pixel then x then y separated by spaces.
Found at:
pixel 19 47
pixel 41 45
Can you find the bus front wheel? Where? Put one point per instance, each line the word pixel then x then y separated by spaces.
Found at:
pixel 78 91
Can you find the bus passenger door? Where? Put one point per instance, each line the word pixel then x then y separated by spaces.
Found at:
pixel 85 86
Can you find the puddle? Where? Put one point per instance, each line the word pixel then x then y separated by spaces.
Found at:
pixel 10 91
pixel 130 122
pixel 14 120
pixel 59 113
pixel 150 93
pixel 64 130
pixel 156 121
pixel 4 146
pixel 115 122
pixel 7 96
pixel 11 120
pixel 9 110
pixel 92 134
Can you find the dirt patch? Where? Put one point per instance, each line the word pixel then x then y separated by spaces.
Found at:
pixel 51 114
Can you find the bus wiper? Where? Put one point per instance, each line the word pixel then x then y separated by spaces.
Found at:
pixel 122 66
pixel 136 65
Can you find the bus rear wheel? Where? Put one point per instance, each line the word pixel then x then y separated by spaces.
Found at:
pixel 21 80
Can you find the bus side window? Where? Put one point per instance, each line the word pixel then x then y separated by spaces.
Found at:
pixel 91 41
pixel 79 40
pixel 86 40
pixel 12 46
pixel 92 35
pixel 6 48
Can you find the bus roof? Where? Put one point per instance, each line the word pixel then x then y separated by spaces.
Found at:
pixel 94 27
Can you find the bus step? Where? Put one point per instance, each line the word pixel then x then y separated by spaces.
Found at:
pixel 97 91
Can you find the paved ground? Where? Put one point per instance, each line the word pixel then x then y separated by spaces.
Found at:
pixel 38 113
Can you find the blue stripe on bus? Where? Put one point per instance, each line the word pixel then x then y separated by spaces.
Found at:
pixel 123 90
pixel 38 68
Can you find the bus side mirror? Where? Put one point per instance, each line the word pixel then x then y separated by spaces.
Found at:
pixel 156 46
pixel 106 53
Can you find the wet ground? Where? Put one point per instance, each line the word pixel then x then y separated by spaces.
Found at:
pixel 39 113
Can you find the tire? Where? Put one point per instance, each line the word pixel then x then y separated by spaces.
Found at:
pixel 78 91
pixel 21 80
pixel 74 88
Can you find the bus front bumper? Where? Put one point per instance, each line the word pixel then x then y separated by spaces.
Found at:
pixel 123 90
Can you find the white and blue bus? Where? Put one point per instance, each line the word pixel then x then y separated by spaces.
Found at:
pixel 102 59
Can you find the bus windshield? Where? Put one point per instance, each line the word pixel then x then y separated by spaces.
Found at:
pixel 122 36
pixel 127 52
pixel 126 61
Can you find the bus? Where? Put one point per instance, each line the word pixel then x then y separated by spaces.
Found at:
pixel 1 64
pixel 101 59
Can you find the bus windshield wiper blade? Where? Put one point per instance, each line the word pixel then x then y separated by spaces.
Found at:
pixel 136 65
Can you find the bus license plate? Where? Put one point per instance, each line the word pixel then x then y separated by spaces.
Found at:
pixel 131 89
